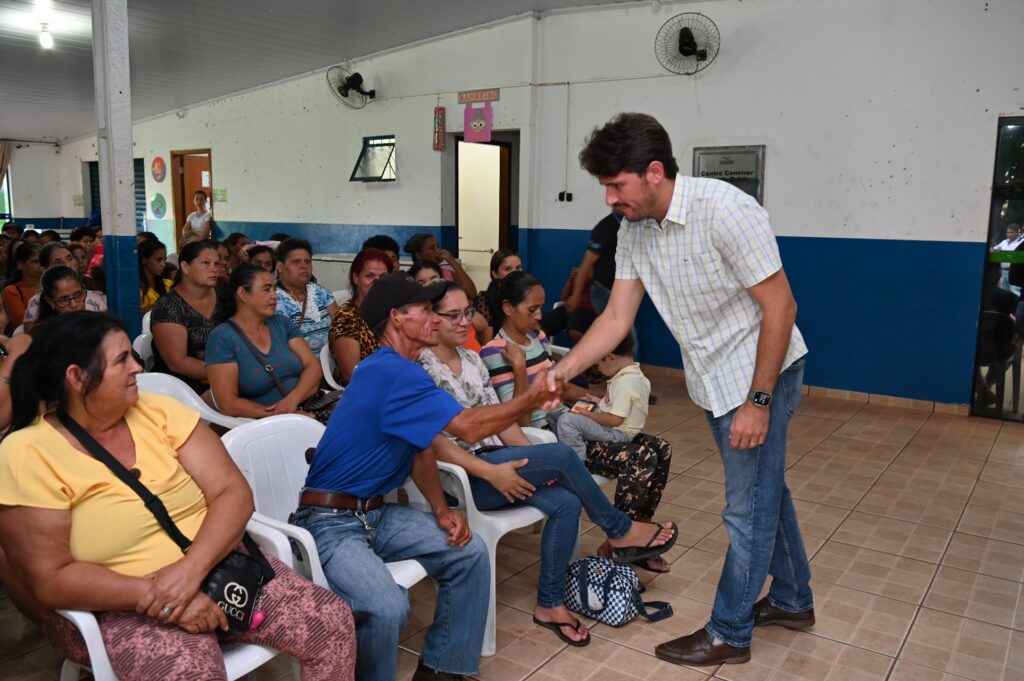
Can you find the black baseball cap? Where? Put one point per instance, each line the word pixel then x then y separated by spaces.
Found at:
pixel 393 291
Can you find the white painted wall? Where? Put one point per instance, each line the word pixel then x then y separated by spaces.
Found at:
pixel 35 182
pixel 879 117
pixel 285 153
pixel 844 93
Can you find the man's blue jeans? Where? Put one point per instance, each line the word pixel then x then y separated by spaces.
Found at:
pixel 561 502
pixel 353 561
pixel 764 537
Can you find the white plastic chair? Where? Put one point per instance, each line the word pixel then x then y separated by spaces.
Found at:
pixel 172 386
pixel 342 296
pixel 239 658
pixel 143 345
pixel 271 453
pixel 327 364
pixel 18 329
pixel 146 324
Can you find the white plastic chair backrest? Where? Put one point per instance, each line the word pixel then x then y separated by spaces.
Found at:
pixel 143 344
pixel 172 386
pixel 539 436
pixel 18 329
pixel 327 365
pixel 146 327
pixel 342 296
pixel 271 453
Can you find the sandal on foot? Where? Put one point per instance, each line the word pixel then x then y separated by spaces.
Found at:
pixel 557 628
pixel 645 564
pixel 632 554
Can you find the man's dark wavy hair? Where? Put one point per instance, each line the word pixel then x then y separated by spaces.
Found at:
pixel 628 143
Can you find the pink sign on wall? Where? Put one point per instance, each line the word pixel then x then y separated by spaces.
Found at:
pixel 477 123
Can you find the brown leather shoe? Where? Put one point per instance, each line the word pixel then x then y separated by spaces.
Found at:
pixel 765 613
pixel 425 673
pixel 699 649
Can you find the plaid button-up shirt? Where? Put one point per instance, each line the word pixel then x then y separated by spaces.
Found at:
pixel 697 264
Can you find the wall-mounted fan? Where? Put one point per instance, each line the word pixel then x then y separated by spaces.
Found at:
pixel 348 87
pixel 687 43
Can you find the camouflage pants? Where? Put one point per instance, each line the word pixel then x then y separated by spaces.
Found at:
pixel 640 467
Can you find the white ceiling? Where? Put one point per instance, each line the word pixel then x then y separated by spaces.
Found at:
pixel 187 51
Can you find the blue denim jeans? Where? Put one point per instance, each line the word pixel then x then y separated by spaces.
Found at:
pixel 353 561
pixel 764 537
pixel 561 502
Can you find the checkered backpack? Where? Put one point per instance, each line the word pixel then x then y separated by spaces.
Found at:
pixel 608 592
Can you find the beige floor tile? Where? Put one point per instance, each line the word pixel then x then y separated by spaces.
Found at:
pixel 407 663
pixel 808 482
pixel 710 468
pixel 915 508
pixel 818 520
pixel 718 542
pixel 908 671
pixel 882 574
pixel 607 661
pixel 694 576
pixel 979 597
pixel 522 647
pixel 825 407
pixel 859 461
pixel 860 619
pixel 897 537
pixel 779 654
pixel 992 523
pixel 1004 474
pixel 512 561
pixel 964 647
pixel 941 477
pixel 878 423
pixel 956 435
pixel 691 444
pixel 1009 445
pixel 807 432
pixel 703 495
pixel 687 616
pixel 1002 497
pixel 986 556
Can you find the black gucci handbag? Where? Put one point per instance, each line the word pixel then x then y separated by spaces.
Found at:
pixel 234 584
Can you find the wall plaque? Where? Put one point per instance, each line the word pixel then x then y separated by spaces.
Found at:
pixel 742 167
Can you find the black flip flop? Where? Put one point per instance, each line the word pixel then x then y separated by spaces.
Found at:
pixel 643 565
pixel 632 554
pixel 557 628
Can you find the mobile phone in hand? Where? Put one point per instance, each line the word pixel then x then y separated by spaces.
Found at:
pixel 582 407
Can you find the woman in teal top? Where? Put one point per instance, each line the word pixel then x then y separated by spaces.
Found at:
pixel 252 337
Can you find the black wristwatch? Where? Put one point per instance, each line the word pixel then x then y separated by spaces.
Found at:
pixel 760 398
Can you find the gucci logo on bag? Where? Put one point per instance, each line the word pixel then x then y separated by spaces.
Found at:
pixel 236 594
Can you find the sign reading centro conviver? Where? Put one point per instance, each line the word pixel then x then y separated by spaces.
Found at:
pixel 473 96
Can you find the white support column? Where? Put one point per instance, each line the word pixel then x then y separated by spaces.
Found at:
pixel 114 145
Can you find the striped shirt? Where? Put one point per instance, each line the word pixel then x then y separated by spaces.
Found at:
pixel 697 264
pixel 538 359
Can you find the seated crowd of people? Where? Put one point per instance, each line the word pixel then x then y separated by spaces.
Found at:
pixel 433 371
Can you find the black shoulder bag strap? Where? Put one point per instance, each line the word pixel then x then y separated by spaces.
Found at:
pixel 260 357
pixel 151 501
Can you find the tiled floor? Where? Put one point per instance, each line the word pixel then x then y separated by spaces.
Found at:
pixel 915 527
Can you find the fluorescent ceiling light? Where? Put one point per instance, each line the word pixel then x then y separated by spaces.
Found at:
pixel 45 37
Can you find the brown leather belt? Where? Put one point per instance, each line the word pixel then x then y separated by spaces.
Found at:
pixel 343 501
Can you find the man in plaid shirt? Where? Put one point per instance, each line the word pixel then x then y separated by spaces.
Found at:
pixel 705 253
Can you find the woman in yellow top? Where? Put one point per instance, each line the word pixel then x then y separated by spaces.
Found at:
pixel 76 537
pixel 152 263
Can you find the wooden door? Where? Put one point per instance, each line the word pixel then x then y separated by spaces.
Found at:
pixel 191 171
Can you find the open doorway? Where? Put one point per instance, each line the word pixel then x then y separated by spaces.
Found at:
pixel 190 173
pixel 480 197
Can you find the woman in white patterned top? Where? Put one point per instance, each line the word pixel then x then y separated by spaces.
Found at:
pixel 507 470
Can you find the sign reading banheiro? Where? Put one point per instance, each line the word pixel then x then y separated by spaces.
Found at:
pixel 473 96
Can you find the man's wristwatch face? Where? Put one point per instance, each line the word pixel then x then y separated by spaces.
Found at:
pixel 760 398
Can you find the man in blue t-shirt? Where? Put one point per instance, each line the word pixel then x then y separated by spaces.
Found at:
pixel 383 430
